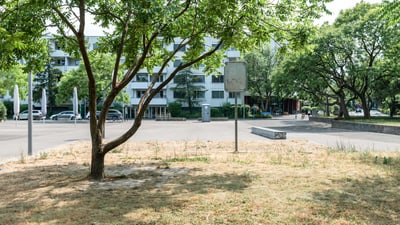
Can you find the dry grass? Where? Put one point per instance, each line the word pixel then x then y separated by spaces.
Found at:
pixel 194 182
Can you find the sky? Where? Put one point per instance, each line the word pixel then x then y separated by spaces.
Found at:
pixel 337 5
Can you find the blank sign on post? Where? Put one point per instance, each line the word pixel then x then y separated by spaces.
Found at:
pixel 235 76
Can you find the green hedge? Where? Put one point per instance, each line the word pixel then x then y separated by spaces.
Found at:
pixel 3 112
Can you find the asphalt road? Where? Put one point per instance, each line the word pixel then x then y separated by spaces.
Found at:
pixel 49 134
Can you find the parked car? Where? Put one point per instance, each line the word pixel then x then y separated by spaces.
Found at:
pixel 66 115
pixel 36 115
pixel 112 114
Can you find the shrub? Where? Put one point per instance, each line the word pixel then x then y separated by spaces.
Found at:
pixel 3 112
pixel 175 109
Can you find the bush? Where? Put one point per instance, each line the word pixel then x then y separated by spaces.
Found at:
pixel 175 109
pixel 305 109
pixel 216 112
pixel 3 112
pixel 227 110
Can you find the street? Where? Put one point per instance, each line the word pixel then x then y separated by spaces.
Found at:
pixel 49 134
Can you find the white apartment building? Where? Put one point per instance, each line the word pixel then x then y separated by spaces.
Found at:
pixel 214 93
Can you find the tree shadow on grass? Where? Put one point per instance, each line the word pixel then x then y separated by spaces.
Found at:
pixel 63 194
pixel 373 200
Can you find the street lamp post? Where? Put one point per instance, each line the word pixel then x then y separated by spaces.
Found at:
pixel 30 113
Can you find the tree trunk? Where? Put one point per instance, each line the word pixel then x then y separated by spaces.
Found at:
pixel 343 109
pixel 97 165
pixel 365 107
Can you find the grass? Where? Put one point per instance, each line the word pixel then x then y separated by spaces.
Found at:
pixel 379 120
pixel 195 182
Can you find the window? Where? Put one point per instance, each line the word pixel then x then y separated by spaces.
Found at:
pixel 217 94
pixel 198 78
pixel 199 94
pixel 160 78
pixel 177 62
pixel 142 77
pixel 182 49
pixel 59 62
pixel 215 45
pixel 159 95
pixel 217 79
pixel 232 94
pixel 179 79
pixel 57 45
pixel 179 94
pixel 140 93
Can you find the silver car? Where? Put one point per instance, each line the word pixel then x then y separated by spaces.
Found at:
pixel 65 115
pixel 36 115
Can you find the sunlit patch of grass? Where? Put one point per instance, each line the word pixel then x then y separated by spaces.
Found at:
pixel 188 159
pixel 43 155
pixel 117 150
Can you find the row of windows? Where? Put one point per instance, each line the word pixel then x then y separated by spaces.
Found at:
pixel 198 94
pixel 144 77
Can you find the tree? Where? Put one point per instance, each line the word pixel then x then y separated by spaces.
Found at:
pixel 318 72
pixel 21 37
pixel 362 25
pixel 102 70
pixel 261 64
pixel 48 80
pixel 12 76
pixel 186 89
pixel 142 30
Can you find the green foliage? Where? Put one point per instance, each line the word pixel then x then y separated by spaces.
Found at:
pixel 344 62
pixel 175 109
pixel 188 89
pixel 216 112
pixel 102 67
pixel 12 76
pixel 261 64
pixel 227 110
pixel 48 79
pixel 21 29
pixel 3 112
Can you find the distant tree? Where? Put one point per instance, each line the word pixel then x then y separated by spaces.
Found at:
pixel 12 76
pixel 48 79
pixel 261 64
pixel 102 67
pixel 364 28
pixel 318 72
pixel 187 90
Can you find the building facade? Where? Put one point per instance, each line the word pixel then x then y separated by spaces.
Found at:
pixel 213 94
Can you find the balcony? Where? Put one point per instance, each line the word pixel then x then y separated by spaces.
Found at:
pixel 154 101
pixel 233 54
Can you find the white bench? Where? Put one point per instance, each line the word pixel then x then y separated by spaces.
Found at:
pixel 269 133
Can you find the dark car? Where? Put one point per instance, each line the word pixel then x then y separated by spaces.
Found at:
pixel 112 114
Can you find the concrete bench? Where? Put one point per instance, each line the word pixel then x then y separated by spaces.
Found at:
pixel 269 133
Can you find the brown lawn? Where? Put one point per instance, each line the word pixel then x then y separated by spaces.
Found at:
pixel 196 182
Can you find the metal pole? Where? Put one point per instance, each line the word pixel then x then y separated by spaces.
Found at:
pixel 30 113
pixel 236 123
